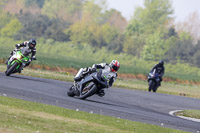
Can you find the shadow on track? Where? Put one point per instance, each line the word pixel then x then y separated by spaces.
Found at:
pixel 105 103
pixel 128 107
pixel 2 73
pixel 30 78
pixel 41 80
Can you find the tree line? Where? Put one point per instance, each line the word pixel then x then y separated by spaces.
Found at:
pixel 151 34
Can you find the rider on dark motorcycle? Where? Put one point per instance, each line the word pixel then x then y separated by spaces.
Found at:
pixel 160 69
pixel 108 70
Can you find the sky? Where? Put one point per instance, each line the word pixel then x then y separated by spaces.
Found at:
pixel 182 8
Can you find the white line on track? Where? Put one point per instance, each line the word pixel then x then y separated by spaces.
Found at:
pixel 183 117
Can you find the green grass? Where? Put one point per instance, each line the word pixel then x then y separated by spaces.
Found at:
pixel 166 88
pixel 53 61
pixel 43 74
pixel 73 56
pixel 23 116
pixel 71 62
pixel 189 113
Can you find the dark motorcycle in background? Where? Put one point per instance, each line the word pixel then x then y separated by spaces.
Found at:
pixel 153 81
pixel 91 84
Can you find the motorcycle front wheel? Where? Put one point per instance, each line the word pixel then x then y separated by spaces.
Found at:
pixel 152 86
pixel 11 69
pixel 70 92
pixel 88 91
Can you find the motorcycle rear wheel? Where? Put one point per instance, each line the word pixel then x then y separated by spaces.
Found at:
pixel 152 85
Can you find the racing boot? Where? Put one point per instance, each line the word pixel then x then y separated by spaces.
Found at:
pixel 21 68
pixel 81 73
pixel 100 93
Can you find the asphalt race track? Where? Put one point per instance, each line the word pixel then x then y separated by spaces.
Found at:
pixel 133 105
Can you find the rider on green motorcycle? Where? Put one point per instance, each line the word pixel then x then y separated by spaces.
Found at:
pixel 28 48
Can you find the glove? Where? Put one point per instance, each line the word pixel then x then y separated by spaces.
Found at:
pixel 93 69
pixel 17 45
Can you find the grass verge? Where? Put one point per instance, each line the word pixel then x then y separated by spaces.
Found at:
pixel 189 113
pixel 129 65
pixel 23 116
pixel 167 87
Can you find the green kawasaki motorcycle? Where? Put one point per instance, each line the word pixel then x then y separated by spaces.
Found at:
pixel 16 62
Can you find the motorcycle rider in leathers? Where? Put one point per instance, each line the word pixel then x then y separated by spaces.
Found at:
pixel 160 69
pixel 28 48
pixel 109 70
